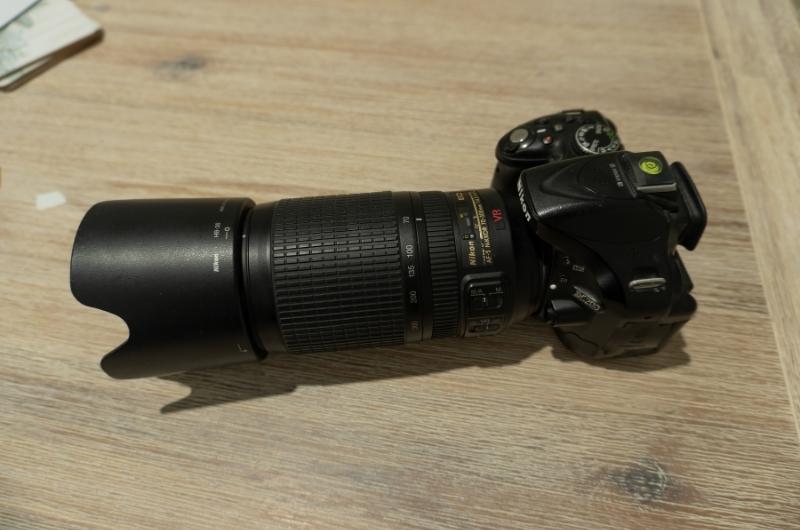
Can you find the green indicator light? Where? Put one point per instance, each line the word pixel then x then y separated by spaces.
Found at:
pixel 650 165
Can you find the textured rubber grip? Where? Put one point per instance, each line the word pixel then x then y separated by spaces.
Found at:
pixel 336 272
pixel 443 263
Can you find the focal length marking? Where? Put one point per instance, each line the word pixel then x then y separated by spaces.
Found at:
pixel 410 263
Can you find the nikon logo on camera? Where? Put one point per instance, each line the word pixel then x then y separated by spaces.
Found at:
pixel 521 195
pixel 587 299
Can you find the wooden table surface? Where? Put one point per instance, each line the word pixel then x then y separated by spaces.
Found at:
pixel 278 99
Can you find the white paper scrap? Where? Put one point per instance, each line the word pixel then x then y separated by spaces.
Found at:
pixel 51 199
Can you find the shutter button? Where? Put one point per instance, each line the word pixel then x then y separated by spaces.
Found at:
pixel 518 136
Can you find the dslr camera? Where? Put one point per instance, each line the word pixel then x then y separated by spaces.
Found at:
pixel 574 231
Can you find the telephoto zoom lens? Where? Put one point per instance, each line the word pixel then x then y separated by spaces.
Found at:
pixel 206 282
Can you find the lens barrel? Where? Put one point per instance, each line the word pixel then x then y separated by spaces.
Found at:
pixel 211 282
pixel 323 273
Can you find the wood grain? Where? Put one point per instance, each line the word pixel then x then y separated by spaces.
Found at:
pixel 760 94
pixel 287 98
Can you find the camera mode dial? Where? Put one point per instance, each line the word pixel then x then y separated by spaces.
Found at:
pixel 596 138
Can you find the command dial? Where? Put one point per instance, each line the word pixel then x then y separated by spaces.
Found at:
pixel 596 138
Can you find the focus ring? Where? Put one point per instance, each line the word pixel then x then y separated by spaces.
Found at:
pixel 443 263
pixel 336 272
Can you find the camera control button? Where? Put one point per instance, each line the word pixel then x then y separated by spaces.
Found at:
pixel 477 302
pixel 647 284
pixel 517 136
pixel 596 138
pixel 495 300
pixel 485 296
pixel 483 326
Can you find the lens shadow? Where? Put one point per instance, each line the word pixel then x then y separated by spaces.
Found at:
pixel 283 373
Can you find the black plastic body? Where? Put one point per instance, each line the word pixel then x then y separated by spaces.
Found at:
pixel 552 138
pixel 615 283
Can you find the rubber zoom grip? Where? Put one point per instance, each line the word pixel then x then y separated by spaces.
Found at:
pixel 443 263
pixel 336 272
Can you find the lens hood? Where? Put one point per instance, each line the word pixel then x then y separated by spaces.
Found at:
pixel 171 269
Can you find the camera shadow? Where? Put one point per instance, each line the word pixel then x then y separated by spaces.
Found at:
pixel 283 373
pixel 673 353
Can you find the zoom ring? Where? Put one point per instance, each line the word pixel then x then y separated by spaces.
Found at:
pixel 336 272
pixel 443 263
